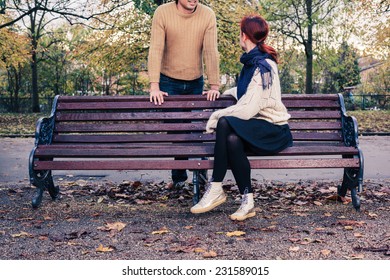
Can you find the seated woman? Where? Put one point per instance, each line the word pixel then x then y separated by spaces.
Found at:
pixel 256 123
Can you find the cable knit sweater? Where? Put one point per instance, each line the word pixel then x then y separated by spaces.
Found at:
pixel 179 42
pixel 256 103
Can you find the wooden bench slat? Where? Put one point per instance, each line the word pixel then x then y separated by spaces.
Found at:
pixel 309 104
pixel 315 114
pixel 162 127
pixel 305 145
pixel 133 127
pixel 133 116
pixel 139 138
pixel 141 116
pixel 119 99
pixel 154 164
pixel 135 138
pixel 172 151
pixel 143 105
pixel 133 105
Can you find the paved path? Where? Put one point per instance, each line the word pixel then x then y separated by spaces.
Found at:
pixel 14 153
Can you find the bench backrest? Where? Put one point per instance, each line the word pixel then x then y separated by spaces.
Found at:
pixel 134 120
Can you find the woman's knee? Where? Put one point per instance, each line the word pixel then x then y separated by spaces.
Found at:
pixel 223 123
pixel 234 143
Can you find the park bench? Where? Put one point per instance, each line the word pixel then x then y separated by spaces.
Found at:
pixel 130 133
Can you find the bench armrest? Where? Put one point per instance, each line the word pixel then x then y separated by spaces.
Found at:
pixel 349 126
pixel 350 131
pixel 45 127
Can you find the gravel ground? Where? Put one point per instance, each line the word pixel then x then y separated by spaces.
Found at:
pixel 147 221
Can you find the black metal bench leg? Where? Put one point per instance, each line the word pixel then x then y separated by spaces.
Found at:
pixel 43 180
pixel 351 181
pixel 195 181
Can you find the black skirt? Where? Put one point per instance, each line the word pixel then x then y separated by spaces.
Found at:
pixel 261 137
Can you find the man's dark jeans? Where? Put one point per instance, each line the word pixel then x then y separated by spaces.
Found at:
pixel 180 87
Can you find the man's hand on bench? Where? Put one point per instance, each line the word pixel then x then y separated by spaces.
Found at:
pixel 212 94
pixel 157 96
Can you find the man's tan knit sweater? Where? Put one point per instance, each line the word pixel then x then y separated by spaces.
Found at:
pixel 180 41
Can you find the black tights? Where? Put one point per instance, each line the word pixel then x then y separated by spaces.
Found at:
pixel 229 150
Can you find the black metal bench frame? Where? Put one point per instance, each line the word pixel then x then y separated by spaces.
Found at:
pixel 130 133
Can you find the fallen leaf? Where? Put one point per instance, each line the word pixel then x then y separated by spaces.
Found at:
pixel 317 203
pixel 372 215
pixel 210 254
pixel 294 249
pixel 117 226
pixel 336 197
pixel 294 240
pixel 181 249
pixel 188 227
pixel 103 249
pixel 199 250
pixel 325 252
pixel 22 234
pixel 161 231
pixel 358 235
pixel 348 227
pixel 327 214
pixel 356 257
pixel 351 223
pixel 235 233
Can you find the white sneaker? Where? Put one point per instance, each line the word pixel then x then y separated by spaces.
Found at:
pixel 246 210
pixel 213 197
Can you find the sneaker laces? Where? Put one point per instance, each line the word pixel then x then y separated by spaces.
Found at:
pixel 207 192
pixel 244 200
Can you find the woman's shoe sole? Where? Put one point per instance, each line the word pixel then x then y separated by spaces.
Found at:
pixel 242 218
pixel 211 207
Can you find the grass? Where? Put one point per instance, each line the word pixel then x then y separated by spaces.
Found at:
pixel 24 124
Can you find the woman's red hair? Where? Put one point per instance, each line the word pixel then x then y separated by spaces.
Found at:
pixel 256 29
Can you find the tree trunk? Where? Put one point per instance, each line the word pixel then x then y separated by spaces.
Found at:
pixel 309 49
pixel 34 82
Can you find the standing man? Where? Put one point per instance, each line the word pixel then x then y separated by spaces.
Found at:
pixel 184 34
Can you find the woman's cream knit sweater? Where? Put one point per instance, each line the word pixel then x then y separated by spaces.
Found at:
pixel 257 103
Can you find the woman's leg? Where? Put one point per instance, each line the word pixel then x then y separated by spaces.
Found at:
pixel 214 194
pixel 223 130
pixel 239 163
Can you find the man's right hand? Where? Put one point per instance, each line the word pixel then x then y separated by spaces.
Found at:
pixel 157 96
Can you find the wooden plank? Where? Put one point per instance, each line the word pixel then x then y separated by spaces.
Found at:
pixel 314 125
pixel 315 114
pixel 129 127
pixel 303 97
pixel 171 151
pixel 322 104
pixel 313 145
pixel 155 164
pixel 163 127
pixel 133 116
pixel 160 137
pixel 133 138
pixel 134 105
